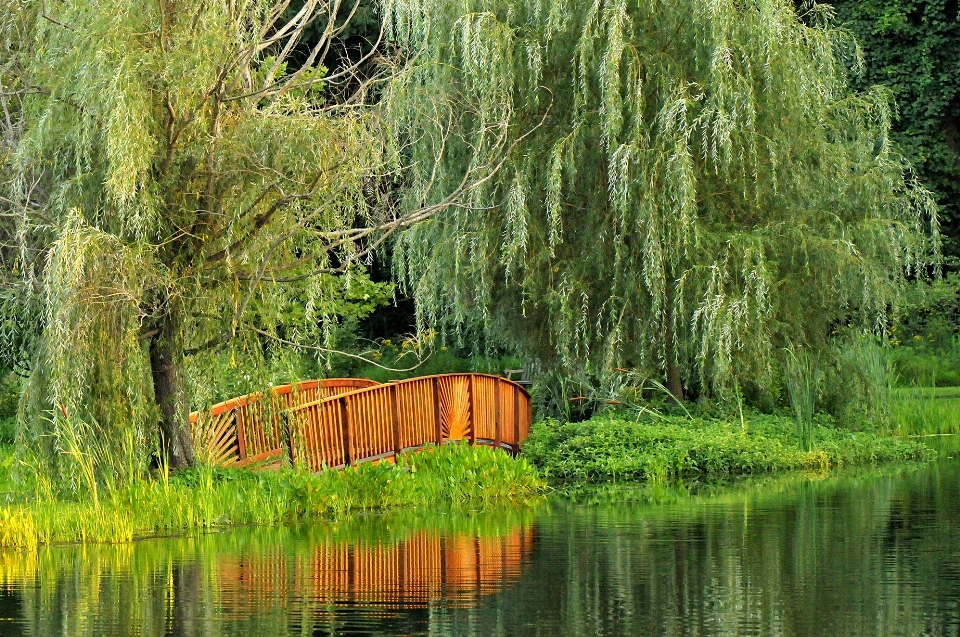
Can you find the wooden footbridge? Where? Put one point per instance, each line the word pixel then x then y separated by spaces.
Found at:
pixel 339 422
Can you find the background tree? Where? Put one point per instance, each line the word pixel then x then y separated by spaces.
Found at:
pixel 206 175
pixel 913 48
pixel 706 190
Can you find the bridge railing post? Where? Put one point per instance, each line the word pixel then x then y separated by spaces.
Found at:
pixel 345 423
pixel 516 421
pixel 436 411
pixel 472 411
pixel 395 415
pixel 497 433
pixel 286 418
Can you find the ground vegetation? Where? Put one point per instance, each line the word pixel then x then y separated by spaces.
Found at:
pixel 205 498
pixel 669 449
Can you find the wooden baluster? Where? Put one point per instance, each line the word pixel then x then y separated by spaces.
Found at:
pixel 516 421
pixel 497 433
pixel 395 412
pixel 241 434
pixel 436 410
pixel 287 419
pixel 345 421
pixel 472 411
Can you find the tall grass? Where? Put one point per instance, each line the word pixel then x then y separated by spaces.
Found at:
pixel 926 411
pixel 205 498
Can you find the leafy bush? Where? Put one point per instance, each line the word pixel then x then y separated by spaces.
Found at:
pixel 926 346
pixel 669 448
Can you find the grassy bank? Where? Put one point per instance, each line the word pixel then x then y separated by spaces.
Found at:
pixel 206 498
pixel 612 447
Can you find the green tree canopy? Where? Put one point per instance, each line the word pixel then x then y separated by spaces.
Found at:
pixel 704 191
pixel 188 174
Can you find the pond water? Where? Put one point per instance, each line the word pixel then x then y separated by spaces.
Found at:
pixel 858 553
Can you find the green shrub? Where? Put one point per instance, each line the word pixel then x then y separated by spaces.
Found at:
pixel 669 448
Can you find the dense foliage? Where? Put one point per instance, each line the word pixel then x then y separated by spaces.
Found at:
pixel 695 189
pixel 612 447
pixel 187 183
pixel 926 344
pixel 912 47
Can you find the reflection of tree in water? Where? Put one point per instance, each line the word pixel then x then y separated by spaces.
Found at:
pixel 854 555
pixel 364 575
pixel 792 558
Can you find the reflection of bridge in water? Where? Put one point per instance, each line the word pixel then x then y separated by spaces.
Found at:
pixel 412 573
pixel 342 421
pixel 366 575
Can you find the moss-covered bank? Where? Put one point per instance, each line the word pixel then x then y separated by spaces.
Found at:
pixel 206 498
pixel 615 447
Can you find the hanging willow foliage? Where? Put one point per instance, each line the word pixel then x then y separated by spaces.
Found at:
pixel 704 191
pixel 191 176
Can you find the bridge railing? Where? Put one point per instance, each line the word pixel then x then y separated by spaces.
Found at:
pixel 250 428
pixel 380 422
pixel 349 423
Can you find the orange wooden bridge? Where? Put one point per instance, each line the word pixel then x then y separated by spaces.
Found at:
pixel 339 422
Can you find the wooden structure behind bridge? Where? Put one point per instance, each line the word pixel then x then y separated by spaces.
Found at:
pixel 342 421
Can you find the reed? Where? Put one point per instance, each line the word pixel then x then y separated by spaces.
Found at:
pixel 802 381
pixel 207 497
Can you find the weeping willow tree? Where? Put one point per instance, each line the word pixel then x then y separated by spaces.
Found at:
pixel 188 175
pixel 704 191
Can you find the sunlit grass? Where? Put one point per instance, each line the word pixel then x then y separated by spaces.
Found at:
pixel 206 497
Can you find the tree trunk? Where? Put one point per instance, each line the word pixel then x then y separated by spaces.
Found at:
pixel 169 389
pixel 674 382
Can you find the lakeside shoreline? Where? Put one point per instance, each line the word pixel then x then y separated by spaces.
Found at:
pixel 672 451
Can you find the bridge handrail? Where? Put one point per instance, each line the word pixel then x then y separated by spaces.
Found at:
pixel 232 432
pixel 282 390
pixel 417 378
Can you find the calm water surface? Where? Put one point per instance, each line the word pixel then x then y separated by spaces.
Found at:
pixel 870 553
